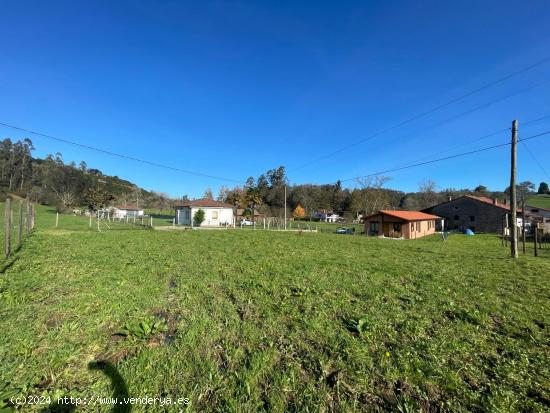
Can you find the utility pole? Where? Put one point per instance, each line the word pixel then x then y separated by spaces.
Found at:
pixel 523 220
pixel 285 206
pixel 513 200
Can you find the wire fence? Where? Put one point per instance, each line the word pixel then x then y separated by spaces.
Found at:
pixel 19 221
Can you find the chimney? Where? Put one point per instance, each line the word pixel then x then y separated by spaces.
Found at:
pixel 450 198
pixel 495 202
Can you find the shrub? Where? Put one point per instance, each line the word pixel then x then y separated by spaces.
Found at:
pixel 198 218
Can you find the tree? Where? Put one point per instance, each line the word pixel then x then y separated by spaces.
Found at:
pixel 208 194
pixel 198 218
pixel 427 192
pixel 298 212
pixel 522 189
pixel 481 189
pixel 372 196
pixel 543 189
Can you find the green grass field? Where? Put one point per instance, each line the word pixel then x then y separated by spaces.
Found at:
pixel 541 201
pixel 245 321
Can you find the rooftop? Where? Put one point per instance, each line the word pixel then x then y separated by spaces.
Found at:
pixel 204 203
pixel 129 207
pixel 407 215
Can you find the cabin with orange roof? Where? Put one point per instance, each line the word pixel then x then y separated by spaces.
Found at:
pixel 400 224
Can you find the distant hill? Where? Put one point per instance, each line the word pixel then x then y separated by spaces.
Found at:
pixel 51 181
pixel 541 201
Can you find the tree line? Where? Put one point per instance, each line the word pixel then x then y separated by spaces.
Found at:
pixel 266 194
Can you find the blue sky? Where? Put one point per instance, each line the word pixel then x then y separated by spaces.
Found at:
pixel 236 88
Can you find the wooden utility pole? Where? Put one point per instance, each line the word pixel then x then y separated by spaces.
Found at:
pixel 523 220
pixel 7 227
pixel 513 197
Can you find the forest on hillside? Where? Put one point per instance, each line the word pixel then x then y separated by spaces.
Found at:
pixel 51 181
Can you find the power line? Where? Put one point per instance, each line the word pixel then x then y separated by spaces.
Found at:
pixel 443 159
pixel 428 112
pixel 123 156
pixel 535 159
pixel 497 132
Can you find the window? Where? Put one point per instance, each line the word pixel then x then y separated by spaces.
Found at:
pixel 472 218
pixel 457 218
pixel 214 214
pixel 374 228
pixel 397 227
pixel 418 226
pixel 429 224
pixel 412 226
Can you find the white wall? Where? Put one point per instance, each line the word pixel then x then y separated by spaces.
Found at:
pixel 224 216
pixel 121 213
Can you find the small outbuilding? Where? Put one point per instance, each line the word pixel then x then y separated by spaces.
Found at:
pixel 216 214
pixel 130 211
pixel 400 224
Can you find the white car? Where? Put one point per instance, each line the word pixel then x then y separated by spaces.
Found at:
pixel 246 222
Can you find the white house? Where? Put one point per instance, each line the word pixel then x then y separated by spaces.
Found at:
pixel 216 213
pixel 323 216
pixel 130 211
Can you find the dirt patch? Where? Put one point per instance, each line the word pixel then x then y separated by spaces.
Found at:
pixel 172 320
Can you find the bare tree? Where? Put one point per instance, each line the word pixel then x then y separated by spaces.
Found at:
pixel 372 196
pixel 427 190
pixel 208 194
pixel 66 197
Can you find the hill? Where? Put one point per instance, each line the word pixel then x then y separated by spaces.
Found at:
pixel 541 201
pixel 51 181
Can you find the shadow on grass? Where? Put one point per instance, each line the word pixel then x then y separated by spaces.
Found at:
pixel 118 384
pixel 12 259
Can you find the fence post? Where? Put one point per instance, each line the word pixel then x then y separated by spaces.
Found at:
pixel 7 227
pixel 90 224
pixel 20 229
pixel 32 217
pixel 151 221
pixel 28 221
pixel 56 219
pixel 535 238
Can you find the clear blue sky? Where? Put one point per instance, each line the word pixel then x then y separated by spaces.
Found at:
pixel 237 88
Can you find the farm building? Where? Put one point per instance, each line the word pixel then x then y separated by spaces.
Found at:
pixel 400 224
pixel 478 213
pixel 216 213
pixel 130 211
pixel 537 211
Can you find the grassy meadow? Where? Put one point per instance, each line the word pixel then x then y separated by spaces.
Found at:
pixel 541 201
pixel 245 321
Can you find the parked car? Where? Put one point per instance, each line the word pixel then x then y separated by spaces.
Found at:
pixel 345 230
pixel 246 222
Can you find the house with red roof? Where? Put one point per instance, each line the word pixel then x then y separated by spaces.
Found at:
pixel 478 213
pixel 216 214
pixel 400 224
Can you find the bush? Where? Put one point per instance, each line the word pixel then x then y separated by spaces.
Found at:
pixel 198 218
